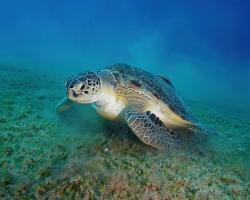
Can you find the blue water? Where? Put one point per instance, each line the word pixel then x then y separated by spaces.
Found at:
pixel 203 46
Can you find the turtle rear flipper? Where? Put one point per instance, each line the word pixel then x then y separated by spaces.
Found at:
pixel 149 129
pixel 64 105
pixel 166 80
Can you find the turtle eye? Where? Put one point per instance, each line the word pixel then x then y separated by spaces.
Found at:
pixel 83 86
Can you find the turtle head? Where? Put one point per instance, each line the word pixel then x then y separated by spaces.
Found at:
pixel 83 87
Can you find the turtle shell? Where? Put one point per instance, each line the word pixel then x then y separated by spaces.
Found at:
pixel 158 86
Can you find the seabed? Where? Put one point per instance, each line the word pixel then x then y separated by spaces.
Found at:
pixel 79 155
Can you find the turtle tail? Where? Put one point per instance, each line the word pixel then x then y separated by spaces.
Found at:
pixel 199 128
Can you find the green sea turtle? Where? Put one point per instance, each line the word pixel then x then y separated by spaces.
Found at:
pixel 149 103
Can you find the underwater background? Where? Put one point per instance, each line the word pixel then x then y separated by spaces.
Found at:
pixel 202 46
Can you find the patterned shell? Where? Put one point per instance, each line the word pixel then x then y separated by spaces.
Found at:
pixel 158 86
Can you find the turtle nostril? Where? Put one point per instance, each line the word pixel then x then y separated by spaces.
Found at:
pixel 74 93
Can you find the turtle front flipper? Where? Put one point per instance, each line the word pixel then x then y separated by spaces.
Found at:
pixel 64 105
pixel 149 128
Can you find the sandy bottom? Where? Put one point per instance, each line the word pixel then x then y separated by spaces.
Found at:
pixel 79 155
